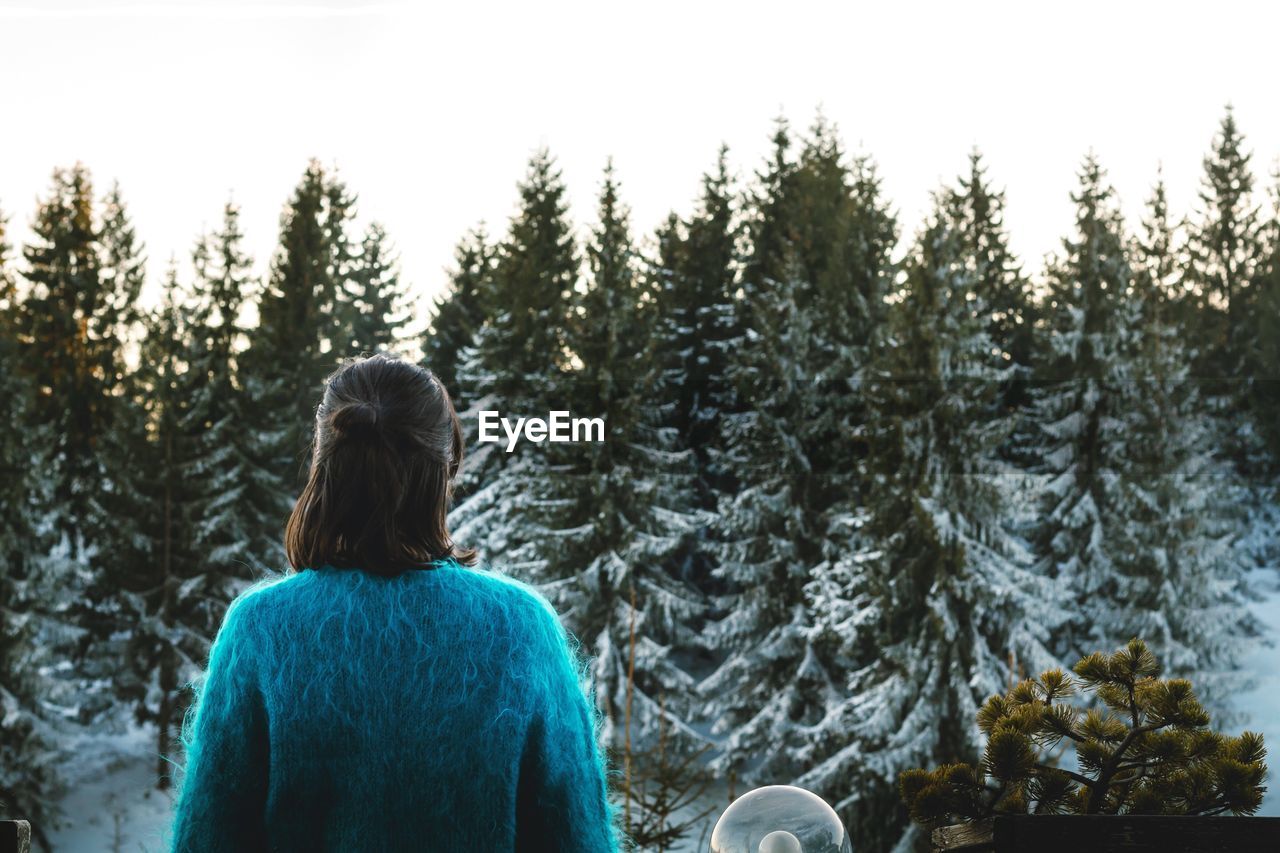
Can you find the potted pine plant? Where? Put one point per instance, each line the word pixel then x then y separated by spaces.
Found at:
pixel 1151 774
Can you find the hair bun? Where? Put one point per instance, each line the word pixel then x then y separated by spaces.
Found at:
pixel 356 420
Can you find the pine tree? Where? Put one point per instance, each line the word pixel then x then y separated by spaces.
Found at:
pixel 122 446
pixel 1145 748
pixel 69 324
pixel 933 547
pixel 74 321
pixel 304 323
pixel 518 364
pixel 1233 326
pixel 1134 523
pixel 522 348
pixel 812 288
pixel 1161 266
pixel 375 296
pixel 239 507
pixel 123 266
pixel 1079 410
pixel 352 312
pixel 1225 248
pixel 459 312
pixel 28 776
pixel 615 516
pixel 1178 571
pixel 691 287
pixel 763 686
pixel 977 214
pixel 160 623
pixel 694 285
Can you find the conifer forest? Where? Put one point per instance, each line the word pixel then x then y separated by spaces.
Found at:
pixel 855 480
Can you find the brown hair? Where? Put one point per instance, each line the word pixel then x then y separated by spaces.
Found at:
pixel 387 448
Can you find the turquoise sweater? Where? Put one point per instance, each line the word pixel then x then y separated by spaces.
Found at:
pixel 439 710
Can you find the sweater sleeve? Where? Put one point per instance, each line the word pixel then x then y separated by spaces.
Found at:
pixel 221 804
pixel 562 795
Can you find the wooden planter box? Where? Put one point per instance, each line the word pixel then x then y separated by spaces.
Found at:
pixel 15 836
pixel 1111 834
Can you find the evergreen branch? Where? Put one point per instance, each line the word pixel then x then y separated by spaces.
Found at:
pixel 1083 780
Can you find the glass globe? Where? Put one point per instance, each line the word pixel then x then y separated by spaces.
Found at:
pixel 779 819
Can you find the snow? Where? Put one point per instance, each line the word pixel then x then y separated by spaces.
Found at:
pixel 111 802
pixel 699 835
pixel 1260 704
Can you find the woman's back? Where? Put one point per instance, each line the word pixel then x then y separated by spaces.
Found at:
pixel 436 709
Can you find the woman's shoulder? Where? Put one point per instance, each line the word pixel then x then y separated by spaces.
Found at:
pixel 251 602
pixel 491 586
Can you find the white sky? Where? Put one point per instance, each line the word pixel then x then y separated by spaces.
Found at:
pixel 431 111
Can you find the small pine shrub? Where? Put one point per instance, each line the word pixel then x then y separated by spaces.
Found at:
pixel 1147 750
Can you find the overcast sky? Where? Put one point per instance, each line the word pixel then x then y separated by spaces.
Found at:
pixel 432 110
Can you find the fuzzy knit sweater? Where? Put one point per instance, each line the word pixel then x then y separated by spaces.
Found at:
pixel 442 709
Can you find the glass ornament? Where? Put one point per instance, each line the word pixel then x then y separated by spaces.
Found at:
pixel 780 819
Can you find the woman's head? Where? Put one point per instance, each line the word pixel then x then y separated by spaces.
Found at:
pixel 387 448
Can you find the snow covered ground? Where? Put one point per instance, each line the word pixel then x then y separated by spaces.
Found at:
pixel 1261 703
pixel 111 803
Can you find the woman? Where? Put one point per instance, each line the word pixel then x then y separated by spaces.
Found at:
pixel 385 695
